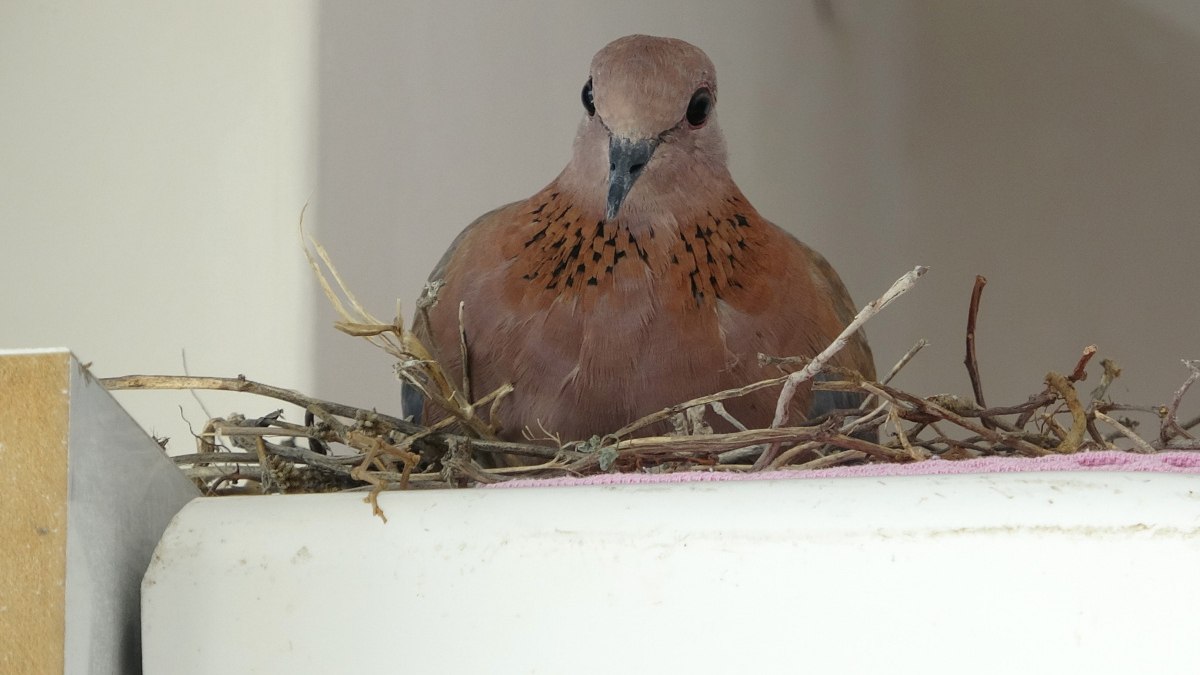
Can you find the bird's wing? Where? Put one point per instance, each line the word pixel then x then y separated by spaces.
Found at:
pixel 412 402
pixel 793 303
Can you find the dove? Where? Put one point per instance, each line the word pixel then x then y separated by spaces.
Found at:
pixel 639 278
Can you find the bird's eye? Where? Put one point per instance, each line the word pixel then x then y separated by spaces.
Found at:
pixel 699 107
pixel 589 104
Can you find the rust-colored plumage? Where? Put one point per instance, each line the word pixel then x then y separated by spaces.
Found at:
pixel 641 276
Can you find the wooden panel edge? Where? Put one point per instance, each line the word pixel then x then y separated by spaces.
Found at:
pixel 34 427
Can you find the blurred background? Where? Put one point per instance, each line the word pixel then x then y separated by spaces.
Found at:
pixel 155 159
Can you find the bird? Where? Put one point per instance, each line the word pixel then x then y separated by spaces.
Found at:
pixel 639 278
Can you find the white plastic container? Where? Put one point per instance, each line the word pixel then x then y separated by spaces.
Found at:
pixel 1030 573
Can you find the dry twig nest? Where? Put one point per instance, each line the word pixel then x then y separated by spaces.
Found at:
pixel 354 448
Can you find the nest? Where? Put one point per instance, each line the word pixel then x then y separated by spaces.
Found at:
pixel 340 447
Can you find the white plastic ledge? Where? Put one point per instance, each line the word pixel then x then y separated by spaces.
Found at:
pixel 1051 572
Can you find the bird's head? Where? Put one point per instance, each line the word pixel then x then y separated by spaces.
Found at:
pixel 650 120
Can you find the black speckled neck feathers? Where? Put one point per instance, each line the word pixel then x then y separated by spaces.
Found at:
pixel 565 251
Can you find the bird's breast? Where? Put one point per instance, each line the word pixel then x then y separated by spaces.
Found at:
pixel 687 261
pixel 595 322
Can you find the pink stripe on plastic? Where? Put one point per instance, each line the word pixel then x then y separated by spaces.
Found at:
pixel 1165 462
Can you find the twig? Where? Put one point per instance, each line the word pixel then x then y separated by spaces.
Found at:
pixel 1125 431
pixel 306 456
pixel 865 420
pixel 1111 372
pixel 829 460
pixel 1093 431
pixel 217 458
pixel 668 412
pixel 898 288
pixel 904 360
pixel 867 448
pixel 1048 396
pixel 908 356
pixel 1079 373
pixel 269 483
pixel 459 463
pixel 904 442
pixel 848 430
pixel 412 353
pixel 970 361
pixel 237 430
pixel 793 381
pixel 1074 438
pixel 1168 427
pixel 393 339
pixel 719 409
pixel 1158 410
pixel 240 383
pixel 788 456
pixel 239 475
pixel 1020 445
pixel 715 443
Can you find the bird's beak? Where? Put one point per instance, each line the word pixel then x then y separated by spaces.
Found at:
pixel 626 160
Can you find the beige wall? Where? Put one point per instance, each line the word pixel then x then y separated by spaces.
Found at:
pixel 154 158
pixel 1053 147
pixel 153 163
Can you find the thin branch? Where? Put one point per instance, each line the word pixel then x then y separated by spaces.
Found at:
pixel 1073 438
pixel 1169 425
pixel 827 461
pixel 908 356
pixel 668 412
pixel 241 384
pixel 970 360
pixel 794 380
pixel 1079 374
pixel 932 409
pixel 920 344
pixel 217 458
pixel 719 409
pixel 1125 431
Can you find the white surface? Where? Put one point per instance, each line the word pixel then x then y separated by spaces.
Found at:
pixel 35 350
pixel 1044 573
pixel 122 492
